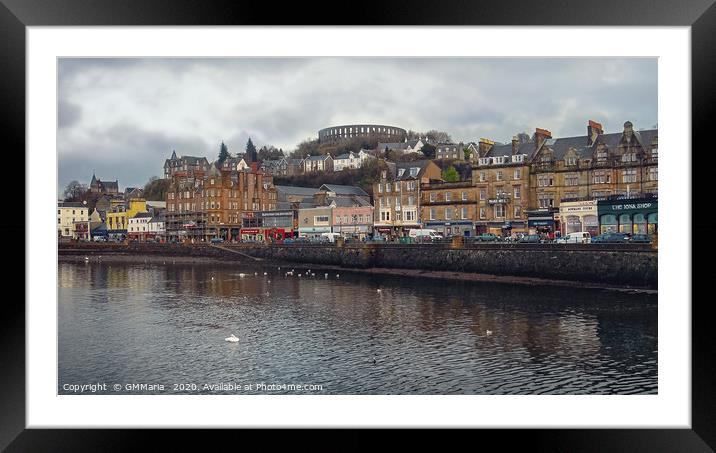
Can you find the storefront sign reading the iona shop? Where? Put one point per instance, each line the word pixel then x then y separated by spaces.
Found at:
pixel 626 206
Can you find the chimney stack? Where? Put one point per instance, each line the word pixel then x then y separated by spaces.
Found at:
pixel 541 135
pixel 594 130
pixel 484 146
pixel 515 142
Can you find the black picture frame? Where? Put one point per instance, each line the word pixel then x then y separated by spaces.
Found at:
pixel 700 15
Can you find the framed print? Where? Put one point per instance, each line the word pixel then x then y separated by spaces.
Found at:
pixel 374 221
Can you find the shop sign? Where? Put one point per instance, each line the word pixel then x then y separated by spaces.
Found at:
pixel 498 200
pixel 249 231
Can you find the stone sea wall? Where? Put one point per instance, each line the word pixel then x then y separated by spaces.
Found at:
pixel 625 265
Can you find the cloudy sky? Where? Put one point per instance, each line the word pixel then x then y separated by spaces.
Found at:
pixel 123 117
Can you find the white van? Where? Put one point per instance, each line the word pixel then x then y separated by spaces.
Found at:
pixel 330 237
pixel 424 234
pixel 582 237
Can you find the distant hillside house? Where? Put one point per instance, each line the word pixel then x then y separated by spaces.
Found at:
pixel 449 151
pixel 186 164
pixel 104 187
pixel 410 146
pixel 278 167
pixel 294 167
pixel 350 160
pixel 313 164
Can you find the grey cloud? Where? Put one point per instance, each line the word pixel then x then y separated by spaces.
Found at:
pixel 127 114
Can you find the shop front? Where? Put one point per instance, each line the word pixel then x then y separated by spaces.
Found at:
pixel 353 231
pixel 252 235
pixel 313 232
pixel 458 228
pixel 635 216
pixel 543 221
pixel 576 216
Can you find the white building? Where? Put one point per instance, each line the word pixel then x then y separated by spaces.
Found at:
pixel 350 160
pixel 157 227
pixel 70 213
pixel 138 226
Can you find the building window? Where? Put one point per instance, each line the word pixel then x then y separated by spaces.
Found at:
pixel 601 177
pixel 464 196
pixel 448 213
pixel 448 196
pixel 546 201
pixel 483 177
pixel 518 212
pixel 380 188
pixel 397 202
pixel 499 210
pixel 432 213
pixel 482 213
pixel 410 216
pixel 653 174
pixel 571 180
pixel 483 193
pixel 463 213
pixel 516 191
pixel 629 175
pixel 629 157
pixel 387 187
pixel 411 200
pixel 571 161
pixel 517 174
pixel 432 197
pixel 499 175
pixel 654 153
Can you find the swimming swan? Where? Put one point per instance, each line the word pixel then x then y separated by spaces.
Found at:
pixel 233 338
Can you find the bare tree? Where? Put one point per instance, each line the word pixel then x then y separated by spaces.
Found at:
pixel 74 191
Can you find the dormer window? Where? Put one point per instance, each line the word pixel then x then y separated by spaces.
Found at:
pixel 571 160
pixel 518 158
pixel 414 171
pixel 484 161
pixel 400 172
pixel 654 153
pixel 601 155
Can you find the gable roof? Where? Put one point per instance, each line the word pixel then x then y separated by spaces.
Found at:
pixel 344 190
pixel 419 164
pixel 296 190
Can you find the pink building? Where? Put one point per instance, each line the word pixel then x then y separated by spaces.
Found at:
pixel 352 217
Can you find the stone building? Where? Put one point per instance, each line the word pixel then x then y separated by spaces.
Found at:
pixel 396 196
pixel 205 205
pixel 104 187
pixel 501 179
pixel 449 207
pixel 184 164
pixel 592 166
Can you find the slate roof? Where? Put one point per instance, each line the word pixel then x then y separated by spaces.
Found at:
pixel 506 150
pixel 70 204
pixel 348 202
pixel 344 190
pixel 296 190
pixel 420 164
pixel 319 157
pixel 560 146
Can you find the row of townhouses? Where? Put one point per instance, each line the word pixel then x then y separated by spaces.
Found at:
pixel 595 182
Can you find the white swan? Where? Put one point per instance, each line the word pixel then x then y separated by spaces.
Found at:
pixel 488 332
pixel 242 275
pixel 232 339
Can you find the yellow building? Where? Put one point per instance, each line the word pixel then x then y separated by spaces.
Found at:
pixel 118 219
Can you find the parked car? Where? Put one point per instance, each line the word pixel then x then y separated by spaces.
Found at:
pixel 487 237
pixel 642 238
pixel 217 240
pixel 581 237
pixel 612 238
pixel 531 239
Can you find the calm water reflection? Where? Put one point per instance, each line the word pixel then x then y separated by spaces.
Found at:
pixel 166 324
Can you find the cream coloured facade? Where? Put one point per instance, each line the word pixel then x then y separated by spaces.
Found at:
pixel 68 213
